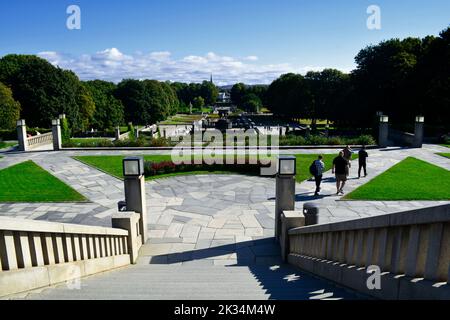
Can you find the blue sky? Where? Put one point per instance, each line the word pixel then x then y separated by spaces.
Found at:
pixel 249 40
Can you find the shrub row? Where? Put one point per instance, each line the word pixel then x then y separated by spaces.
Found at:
pixel 314 140
pixel 165 167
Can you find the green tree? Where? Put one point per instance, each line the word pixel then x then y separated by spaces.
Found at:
pixel 251 103
pixel 147 101
pixel 329 89
pixel 238 91
pixel 44 91
pixel 109 111
pixel 209 92
pixel 9 108
pixel 198 103
pixel 290 96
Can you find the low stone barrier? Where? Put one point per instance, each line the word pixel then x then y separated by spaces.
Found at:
pixel 39 140
pixel 410 249
pixel 35 254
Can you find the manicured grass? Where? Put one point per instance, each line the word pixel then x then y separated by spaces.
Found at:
pixel 113 165
pixel 4 145
pixel 411 179
pixel 27 182
pixel 181 119
pixel 446 145
pixel 447 155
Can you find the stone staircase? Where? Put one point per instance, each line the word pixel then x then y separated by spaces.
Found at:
pixel 191 282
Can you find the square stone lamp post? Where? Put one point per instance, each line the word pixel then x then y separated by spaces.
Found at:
pixel 284 189
pixel 383 131
pixel 419 131
pixel 134 182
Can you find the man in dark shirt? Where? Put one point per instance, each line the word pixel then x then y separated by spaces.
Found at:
pixel 362 159
pixel 340 169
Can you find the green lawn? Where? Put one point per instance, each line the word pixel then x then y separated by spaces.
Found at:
pixel 447 155
pixel 411 179
pixel 27 182
pixel 113 165
pixel 446 145
pixel 4 145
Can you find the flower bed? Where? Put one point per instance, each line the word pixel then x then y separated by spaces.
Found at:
pixel 167 167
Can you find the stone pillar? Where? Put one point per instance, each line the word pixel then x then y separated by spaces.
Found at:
pixel 136 129
pixel 117 133
pixel 22 135
pixel 418 132
pixel 135 200
pixel 285 199
pixel 383 131
pixel 56 132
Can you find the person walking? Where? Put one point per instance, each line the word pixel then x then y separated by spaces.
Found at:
pixel 318 168
pixel 340 169
pixel 348 155
pixel 362 160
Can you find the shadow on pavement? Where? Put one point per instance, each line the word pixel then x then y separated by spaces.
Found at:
pixel 262 258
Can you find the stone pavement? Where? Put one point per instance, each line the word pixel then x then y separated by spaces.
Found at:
pixel 168 282
pixel 206 219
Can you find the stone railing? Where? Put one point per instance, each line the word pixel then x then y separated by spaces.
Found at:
pixel 124 136
pixel 35 254
pixel 411 250
pixel 39 140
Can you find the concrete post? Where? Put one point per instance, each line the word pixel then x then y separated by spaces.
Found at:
pixel 289 220
pixel 117 133
pixel 56 132
pixel 135 200
pixel 311 213
pixel 285 199
pixel 22 135
pixel 383 131
pixel 136 129
pixel 418 132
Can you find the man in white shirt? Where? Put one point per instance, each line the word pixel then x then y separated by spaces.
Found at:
pixel 320 167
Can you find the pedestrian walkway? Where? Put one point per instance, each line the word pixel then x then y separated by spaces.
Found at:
pixel 156 282
pixel 203 229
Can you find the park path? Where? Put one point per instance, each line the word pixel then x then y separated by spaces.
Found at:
pixel 156 282
pixel 211 236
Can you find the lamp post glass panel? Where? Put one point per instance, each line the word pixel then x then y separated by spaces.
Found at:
pixel 287 166
pixel 420 119
pixel 384 119
pixel 133 167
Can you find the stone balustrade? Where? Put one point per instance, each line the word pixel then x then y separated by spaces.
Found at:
pixel 411 249
pixel 39 140
pixel 36 254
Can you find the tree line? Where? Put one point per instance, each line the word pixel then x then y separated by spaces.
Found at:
pixel 33 89
pixel 401 78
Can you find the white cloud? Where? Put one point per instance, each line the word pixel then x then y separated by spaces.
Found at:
pixel 113 65
pixel 252 58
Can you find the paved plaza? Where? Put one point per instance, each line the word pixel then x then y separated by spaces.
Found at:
pixel 206 228
pixel 189 214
